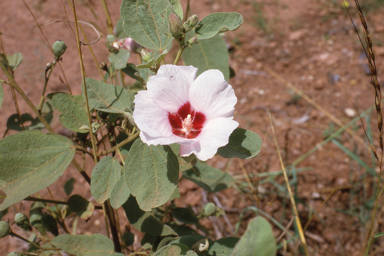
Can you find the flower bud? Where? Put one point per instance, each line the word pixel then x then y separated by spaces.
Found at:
pixel 22 221
pixel 131 45
pixel 58 48
pixel 191 22
pixel 209 210
pixel 4 229
pixel 146 56
pixel 15 254
pixel 175 26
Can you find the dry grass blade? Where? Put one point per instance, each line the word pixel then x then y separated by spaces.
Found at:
pixel 295 212
pixel 368 49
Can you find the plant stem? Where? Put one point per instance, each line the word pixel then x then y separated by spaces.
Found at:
pixel 109 20
pixel 181 49
pixel 45 86
pixel 83 82
pixel 93 54
pixel 26 240
pixel 112 224
pixel 124 142
pixel 25 97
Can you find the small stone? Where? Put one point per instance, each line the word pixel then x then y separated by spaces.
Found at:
pixel 350 112
pixel 315 195
pixel 298 34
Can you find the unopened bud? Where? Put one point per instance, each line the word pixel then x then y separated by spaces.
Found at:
pixel 208 210
pixel 58 48
pixel 146 56
pixel 104 66
pixel 175 26
pixel 22 221
pixel 4 229
pixel 49 65
pixel 191 22
pixel 131 45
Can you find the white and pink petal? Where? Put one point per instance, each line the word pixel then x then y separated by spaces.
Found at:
pixel 212 95
pixel 169 88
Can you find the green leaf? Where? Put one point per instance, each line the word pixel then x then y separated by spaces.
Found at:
pixel 73 115
pixel 184 215
pixel 209 178
pixel 68 186
pixel 177 8
pixel 223 247
pixel 242 144
pixel 191 253
pixel 144 221
pixel 208 54
pixel 82 245
pixel 107 97
pixel 50 224
pixel 188 240
pixel 1 94
pixel 130 69
pixel 146 22
pixel 128 238
pixel 151 173
pixel 219 22
pixel 119 59
pixel 257 238
pixel 120 193
pixel 183 164
pixel 119 29
pixel 104 177
pixel 81 206
pixel 13 61
pixel 168 250
pixel 31 161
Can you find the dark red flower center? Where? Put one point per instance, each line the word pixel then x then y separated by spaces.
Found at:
pixel 186 122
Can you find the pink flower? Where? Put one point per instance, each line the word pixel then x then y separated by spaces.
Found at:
pixel 177 107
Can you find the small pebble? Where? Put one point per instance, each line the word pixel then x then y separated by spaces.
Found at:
pixel 350 112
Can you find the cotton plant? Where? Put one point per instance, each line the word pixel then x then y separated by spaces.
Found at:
pixel 174 117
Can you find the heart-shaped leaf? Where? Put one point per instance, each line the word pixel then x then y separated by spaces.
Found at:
pixel 151 173
pixel 219 22
pixel 31 161
pixel 83 245
pixel 146 22
pixel 73 115
pixel 104 177
pixel 208 54
pixel 107 97
pixel 257 238
pixel 242 144
pixel 209 178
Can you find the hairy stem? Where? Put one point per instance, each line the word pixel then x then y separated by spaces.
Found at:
pixel 83 82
